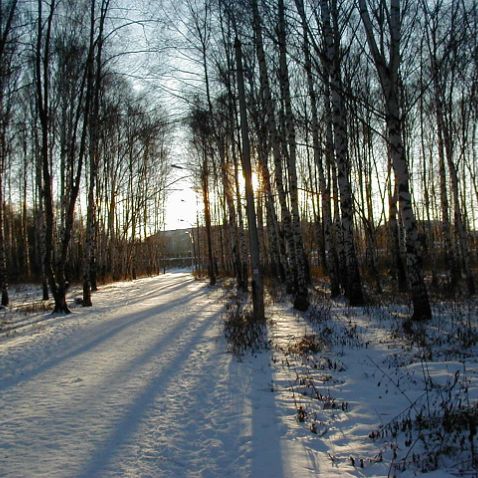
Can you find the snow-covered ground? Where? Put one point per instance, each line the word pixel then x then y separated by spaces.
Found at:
pixel 142 385
pixel 357 390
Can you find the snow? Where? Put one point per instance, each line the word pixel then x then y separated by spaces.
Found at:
pixel 143 385
pixel 139 385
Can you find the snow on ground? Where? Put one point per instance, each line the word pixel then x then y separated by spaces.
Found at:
pixel 358 392
pixel 142 385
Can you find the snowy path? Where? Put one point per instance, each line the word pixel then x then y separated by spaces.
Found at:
pixel 138 386
pixel 141 385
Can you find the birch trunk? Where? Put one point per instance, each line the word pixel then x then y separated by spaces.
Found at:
pixel 90 212
pixel 40 248
pixel 57 272
pixel 462 250
pixel 3 252
pixel 26 240
pixel 449 252
pixel 421 306
pixel 456 252
pixel 94 83
pixel 388 71
pixel 394 240
pixel 460 228
pixel 301 301
pixel 266 95
pixel 232 217
pixel 331 263
pixel 276 257
pixel 42 61
pixel 427 154
pixel 7 52
pixel 257 280
pixel 240 217
pixel 241 254
pixel 449 249
pixel 207 216
pixel 352 281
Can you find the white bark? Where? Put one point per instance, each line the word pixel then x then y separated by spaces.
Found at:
pixel 331 263
pixel 388 71
pixel 353 285
pixel 301 300
pixel 254 247
pixel 275 146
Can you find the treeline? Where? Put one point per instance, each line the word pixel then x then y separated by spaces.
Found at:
pixel 329 137
pixel 83 155
pixel 359 119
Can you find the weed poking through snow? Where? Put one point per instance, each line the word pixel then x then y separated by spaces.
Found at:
pixel 242 331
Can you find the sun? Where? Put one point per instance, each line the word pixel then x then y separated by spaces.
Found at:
pixel 256 183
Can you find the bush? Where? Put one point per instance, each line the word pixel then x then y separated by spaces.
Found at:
pixel 243 332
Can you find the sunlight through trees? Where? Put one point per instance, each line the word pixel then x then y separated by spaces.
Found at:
pixel 329 141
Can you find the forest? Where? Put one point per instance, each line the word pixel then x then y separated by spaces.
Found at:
pixel 330 141
pixel 316 314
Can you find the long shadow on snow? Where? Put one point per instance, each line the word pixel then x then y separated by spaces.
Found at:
pixel 131 419
pixel 128 369
pixel 178 284
pixel 266 444
pixel 50 319
pixel 100 336
pixel 215 404
pixel 265 434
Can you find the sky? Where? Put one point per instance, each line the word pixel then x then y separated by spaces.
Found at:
pixel 167 75
pixel 182 202
pixel 181 205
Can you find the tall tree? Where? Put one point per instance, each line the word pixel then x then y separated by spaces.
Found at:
pixel 254 247
pixel 8 13
pixel 277 156
pixel 301 301
pixel 94 77
pixel 56 261
pixel 332 67
pixel 331 261
pixel 387 65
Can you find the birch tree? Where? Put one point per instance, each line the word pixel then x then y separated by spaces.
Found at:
pixel 331 261
pixel 301 301
pixel 254 247
pixel 75 83
pixel 292 265
pixel 94 77
pixel 387 64
pixel 333 75
pixel 8 47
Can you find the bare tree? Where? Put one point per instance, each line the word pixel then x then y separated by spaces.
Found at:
pixel 332 67
pixel 94 77
pixel 387 65
pixel 257 280
pixel 56 261
pixel 8 13
pixel 301 301
pixel 331 261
